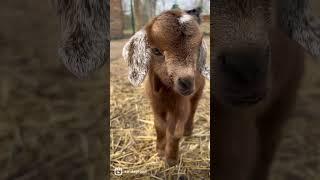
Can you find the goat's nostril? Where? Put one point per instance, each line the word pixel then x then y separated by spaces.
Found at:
pixel 243 68
pixel 185 83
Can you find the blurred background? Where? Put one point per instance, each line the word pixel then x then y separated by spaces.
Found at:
pixel 132 146
pixel 52 125
pixel 128 16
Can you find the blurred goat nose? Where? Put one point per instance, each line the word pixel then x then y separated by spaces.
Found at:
pixel 244 69
pixel 186 83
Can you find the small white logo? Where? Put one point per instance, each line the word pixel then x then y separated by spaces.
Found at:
pixel 118 171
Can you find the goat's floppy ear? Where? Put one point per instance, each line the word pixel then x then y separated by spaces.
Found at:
pixel 138 55
pixel 202 66
pixel 297 20
pixel 85 34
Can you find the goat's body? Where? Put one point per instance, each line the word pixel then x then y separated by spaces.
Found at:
pixel 173 114
pixel 246 139
pixel 174 59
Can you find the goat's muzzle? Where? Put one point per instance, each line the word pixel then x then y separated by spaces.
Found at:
pixel 242 78
pixel 185 85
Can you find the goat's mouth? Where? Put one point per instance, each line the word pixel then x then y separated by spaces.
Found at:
pixel 244 99
pixel 185 92
pixel 185 85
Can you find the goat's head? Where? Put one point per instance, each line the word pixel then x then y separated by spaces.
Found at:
pixel 241 47
pixel 173 46
pixel 85 34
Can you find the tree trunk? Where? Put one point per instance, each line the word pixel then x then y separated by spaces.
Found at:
pixel 138 14
pixel 150 9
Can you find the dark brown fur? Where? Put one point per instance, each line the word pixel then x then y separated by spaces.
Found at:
pixel 246 136
pixel 246 139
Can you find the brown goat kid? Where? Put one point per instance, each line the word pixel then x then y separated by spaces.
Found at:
pixel 171 50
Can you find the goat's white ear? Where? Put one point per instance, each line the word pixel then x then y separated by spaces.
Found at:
pixel 138 55
pixel 203 68
pixel 300 23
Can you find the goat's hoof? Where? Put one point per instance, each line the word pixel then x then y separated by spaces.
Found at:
pixel 171 162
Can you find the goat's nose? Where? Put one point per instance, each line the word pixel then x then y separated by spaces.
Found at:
pixel 186 84
pixel 244 69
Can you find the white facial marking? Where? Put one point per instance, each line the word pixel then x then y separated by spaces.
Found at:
pixel 185 18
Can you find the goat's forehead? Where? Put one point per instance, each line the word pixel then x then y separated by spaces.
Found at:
pixel 171 28
pixel 240 22
pixel 243 8
pixel 185 19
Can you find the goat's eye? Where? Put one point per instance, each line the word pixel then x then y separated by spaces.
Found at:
pixel 156 52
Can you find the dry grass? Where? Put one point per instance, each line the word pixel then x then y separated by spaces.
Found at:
pixel 132 146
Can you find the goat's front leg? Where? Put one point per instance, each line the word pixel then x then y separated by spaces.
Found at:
pixel 160 126
pixel 172 148
pixel 188 128
pixel 270 127
pixel 236 145
pixel 175 129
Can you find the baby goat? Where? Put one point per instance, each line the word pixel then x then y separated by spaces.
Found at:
pixel 171 50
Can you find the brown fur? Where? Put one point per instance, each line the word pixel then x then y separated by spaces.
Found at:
pixel 172 51
pixel 173 112
pixel 246 139
pixel 246 136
